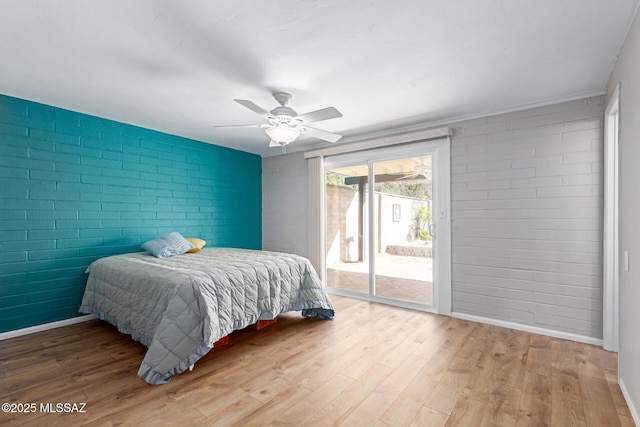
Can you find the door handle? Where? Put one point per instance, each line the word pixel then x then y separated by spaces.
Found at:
pixel 432 230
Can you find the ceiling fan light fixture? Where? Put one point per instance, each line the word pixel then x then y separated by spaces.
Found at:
pixel 282 134
pixel 285 125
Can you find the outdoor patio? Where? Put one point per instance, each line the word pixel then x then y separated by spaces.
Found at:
pixel 403 278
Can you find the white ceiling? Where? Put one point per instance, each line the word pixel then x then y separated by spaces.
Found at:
pixel 176 66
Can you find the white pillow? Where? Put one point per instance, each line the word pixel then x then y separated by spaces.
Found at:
pixel 168 245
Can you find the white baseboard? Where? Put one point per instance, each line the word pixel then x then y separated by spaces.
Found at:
pixel 46 326
pixel 528 328
pixel 630 402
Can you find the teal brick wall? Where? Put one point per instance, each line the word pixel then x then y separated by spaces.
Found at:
pixel 75 188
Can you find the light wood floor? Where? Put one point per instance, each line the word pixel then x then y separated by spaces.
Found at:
pixel 374 365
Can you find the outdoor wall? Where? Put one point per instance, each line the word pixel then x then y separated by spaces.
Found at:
pixel 627 71
pixel 341 224
pixel 400 230
pixel 74 188
pixel 527 210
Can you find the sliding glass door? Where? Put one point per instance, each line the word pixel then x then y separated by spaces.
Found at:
pixel 402 252
pixel 346 221
pixel 380 229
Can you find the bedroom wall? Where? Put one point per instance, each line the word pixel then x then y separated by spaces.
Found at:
pixel 627 71
pixel 284 207
pixel 527 192
pixel 527 209
pixel 75 188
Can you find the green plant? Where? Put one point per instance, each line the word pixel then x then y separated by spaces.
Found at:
pixel 424 220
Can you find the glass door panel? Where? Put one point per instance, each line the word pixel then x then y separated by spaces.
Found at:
pixel 402 241
pixel 387 227
pixel 346 219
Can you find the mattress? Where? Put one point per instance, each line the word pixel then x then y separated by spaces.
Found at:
pixel 180 306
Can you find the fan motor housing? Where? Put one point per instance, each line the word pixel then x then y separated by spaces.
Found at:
pixel 283 112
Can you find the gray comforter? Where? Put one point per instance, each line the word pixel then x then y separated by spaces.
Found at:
pixel 180 306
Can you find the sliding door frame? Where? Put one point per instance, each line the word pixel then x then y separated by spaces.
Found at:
pixel 441 151
pixel 611 238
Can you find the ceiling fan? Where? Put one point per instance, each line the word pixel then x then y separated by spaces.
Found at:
pixel 285 125
pixel 421 170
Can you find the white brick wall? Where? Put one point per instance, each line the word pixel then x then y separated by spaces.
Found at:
pixel 527 217
pixel 284 204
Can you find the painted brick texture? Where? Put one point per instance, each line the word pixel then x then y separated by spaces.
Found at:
pixel 75 188
pixel 527 217
pixel 285 208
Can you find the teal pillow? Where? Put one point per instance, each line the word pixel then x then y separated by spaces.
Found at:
pixel 168 245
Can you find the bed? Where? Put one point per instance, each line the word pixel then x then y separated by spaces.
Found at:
pixel 180 306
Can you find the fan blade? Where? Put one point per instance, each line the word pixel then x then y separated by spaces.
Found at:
pixel 272 143
pixel 253 107
pixel 319 115
pixel 244 126
pixel 321 134
pixel 411 176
